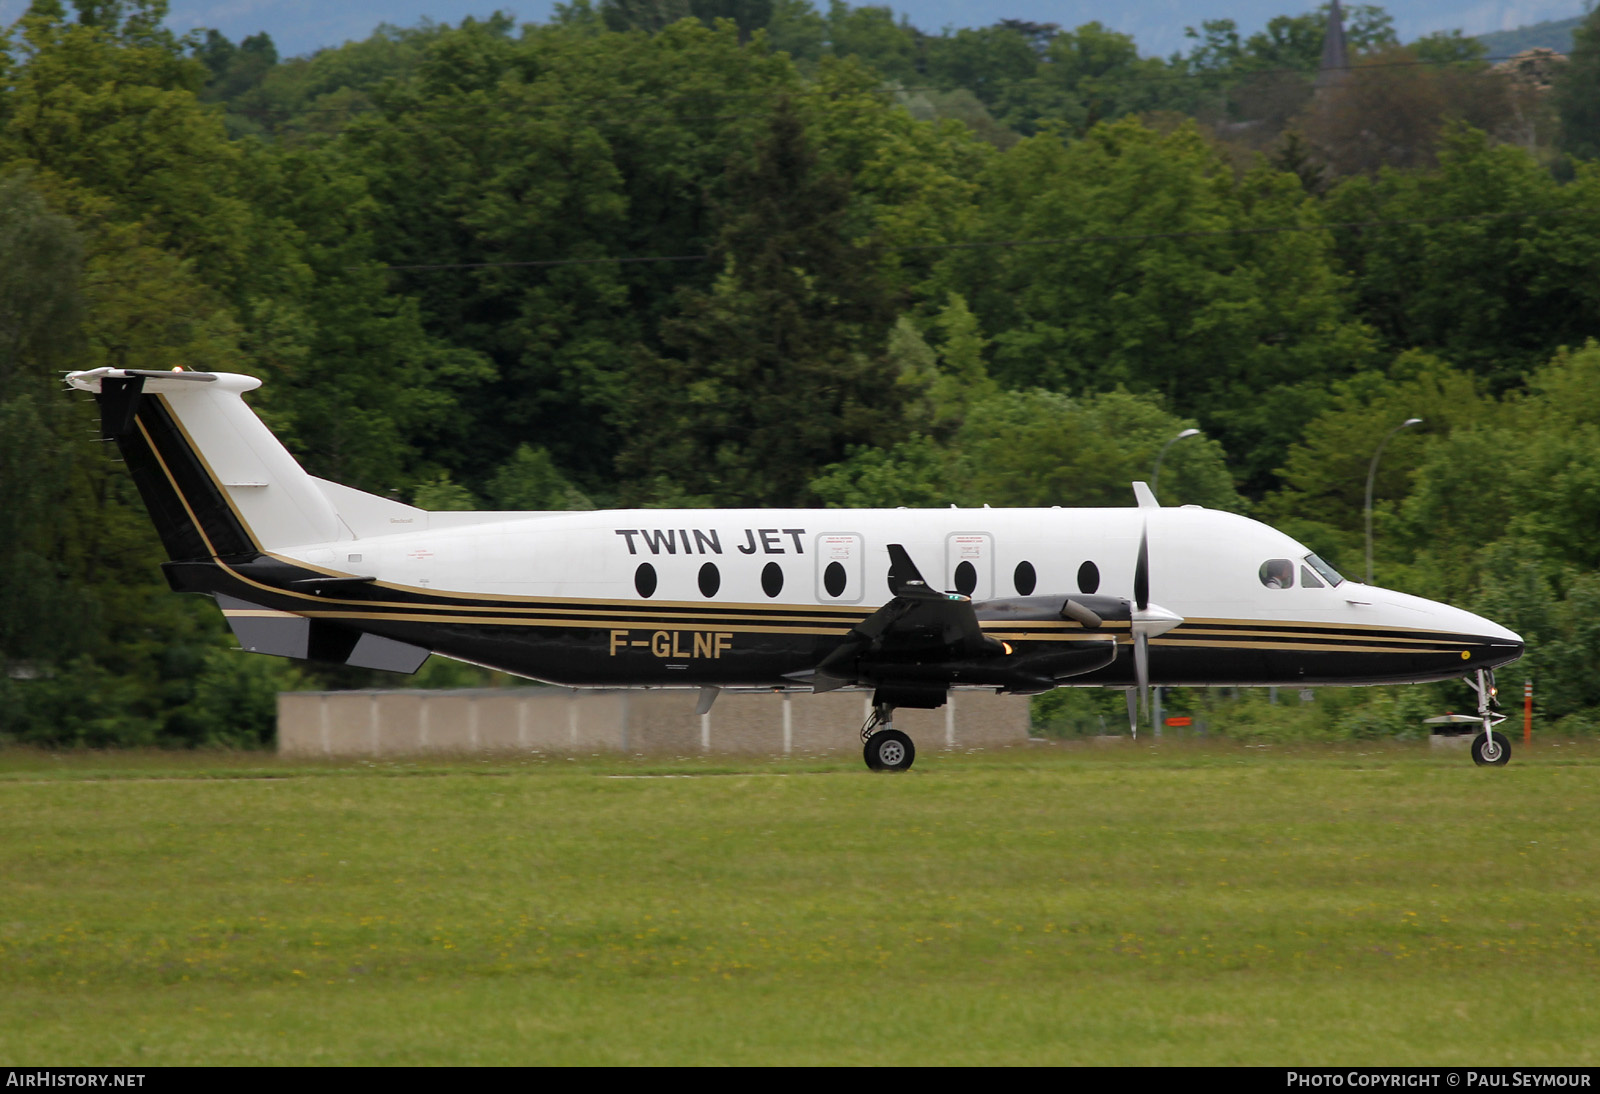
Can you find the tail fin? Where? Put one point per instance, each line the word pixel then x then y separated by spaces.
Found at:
pixel 216 481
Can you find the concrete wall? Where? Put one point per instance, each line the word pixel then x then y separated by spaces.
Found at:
pixel 549 719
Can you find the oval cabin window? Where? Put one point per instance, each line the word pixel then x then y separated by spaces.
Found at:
pixel 1024 579
pixel 710 579
pixel 966 578
pixel 772 579
pixel 833 579
pixel 644 579
pixel 1088 578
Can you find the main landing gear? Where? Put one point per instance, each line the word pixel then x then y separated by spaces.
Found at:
pixel 884 747
pixel 1489 749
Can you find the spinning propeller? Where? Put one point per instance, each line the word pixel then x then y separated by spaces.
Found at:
pixel 1145 621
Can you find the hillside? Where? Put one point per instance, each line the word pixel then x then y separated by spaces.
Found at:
pixel 1553 34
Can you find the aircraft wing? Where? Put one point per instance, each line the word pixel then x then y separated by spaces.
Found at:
pixel 918 624
pixel 921 618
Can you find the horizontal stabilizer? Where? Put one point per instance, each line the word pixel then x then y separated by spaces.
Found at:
pixel 373 651
pixel 284 634
pixel 343 581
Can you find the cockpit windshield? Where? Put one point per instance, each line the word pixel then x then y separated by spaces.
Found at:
pixel 1329 574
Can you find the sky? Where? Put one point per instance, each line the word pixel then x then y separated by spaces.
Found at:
pixel 303 26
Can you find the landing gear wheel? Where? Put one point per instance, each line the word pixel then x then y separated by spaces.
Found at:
pixel 889 750
pixel 1495 752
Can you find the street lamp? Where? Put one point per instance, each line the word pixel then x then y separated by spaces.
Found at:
pixel 1372 473
pixel 1155 474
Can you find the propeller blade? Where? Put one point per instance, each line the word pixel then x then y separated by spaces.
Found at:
pixel 1138 634
pixel 1141 670
pixel 1133 714
pixel 1141 571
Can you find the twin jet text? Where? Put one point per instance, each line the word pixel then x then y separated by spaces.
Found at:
pixel 707 541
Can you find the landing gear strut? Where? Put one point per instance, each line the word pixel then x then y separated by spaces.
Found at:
pixel 1489 749
pixel 884 747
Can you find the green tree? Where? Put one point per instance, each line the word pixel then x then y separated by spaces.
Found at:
pixel 1501 517
pixel 365 393
pixel 983 60
pixel 870 34
pixel 1087 75
pixel 568 147
pixel 1287 41
pixel 1046 448
pixel 1491 505
pixel 40 307
pixel 235 70
pixel 942 384
pixel 917 472
pixel 107 107
pixel 440 495
pixel 94 650
pixel 1389 111
pixel 1577 92
pixel 772 373
pixel 1145 262
pixel 1038 448
pixel 530 480
pixel 1486 262
pixel 1323 498
pixel 1448 47
pixel 1256 85
pixel 312 98
pixel 914 185
pixel 648 16
pixel 798 29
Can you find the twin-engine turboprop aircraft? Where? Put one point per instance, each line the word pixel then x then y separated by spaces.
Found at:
pixel 906 602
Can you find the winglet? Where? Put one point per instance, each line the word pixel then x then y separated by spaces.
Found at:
pixel 1145 496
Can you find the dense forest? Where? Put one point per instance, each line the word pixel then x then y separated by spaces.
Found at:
pixel 751 252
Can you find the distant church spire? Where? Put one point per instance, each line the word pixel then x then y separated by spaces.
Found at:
pixel 1335 65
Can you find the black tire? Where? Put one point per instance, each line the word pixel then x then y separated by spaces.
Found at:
pixel 1497 752
pixel 889 750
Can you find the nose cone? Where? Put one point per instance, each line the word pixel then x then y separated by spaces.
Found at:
pixel 1483 643
pixel 1499 645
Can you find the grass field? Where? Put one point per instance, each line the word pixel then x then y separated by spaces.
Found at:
pixel 1174 905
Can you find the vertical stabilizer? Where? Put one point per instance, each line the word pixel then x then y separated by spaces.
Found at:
pixel 216 481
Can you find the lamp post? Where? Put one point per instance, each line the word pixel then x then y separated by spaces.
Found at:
pixel 1155 473
pixel 1372 473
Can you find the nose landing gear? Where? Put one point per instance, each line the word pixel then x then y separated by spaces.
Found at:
pixel 1489 749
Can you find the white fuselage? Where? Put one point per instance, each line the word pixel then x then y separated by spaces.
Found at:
pixel 1203 563
pixel 1206 566
pixel 303 567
